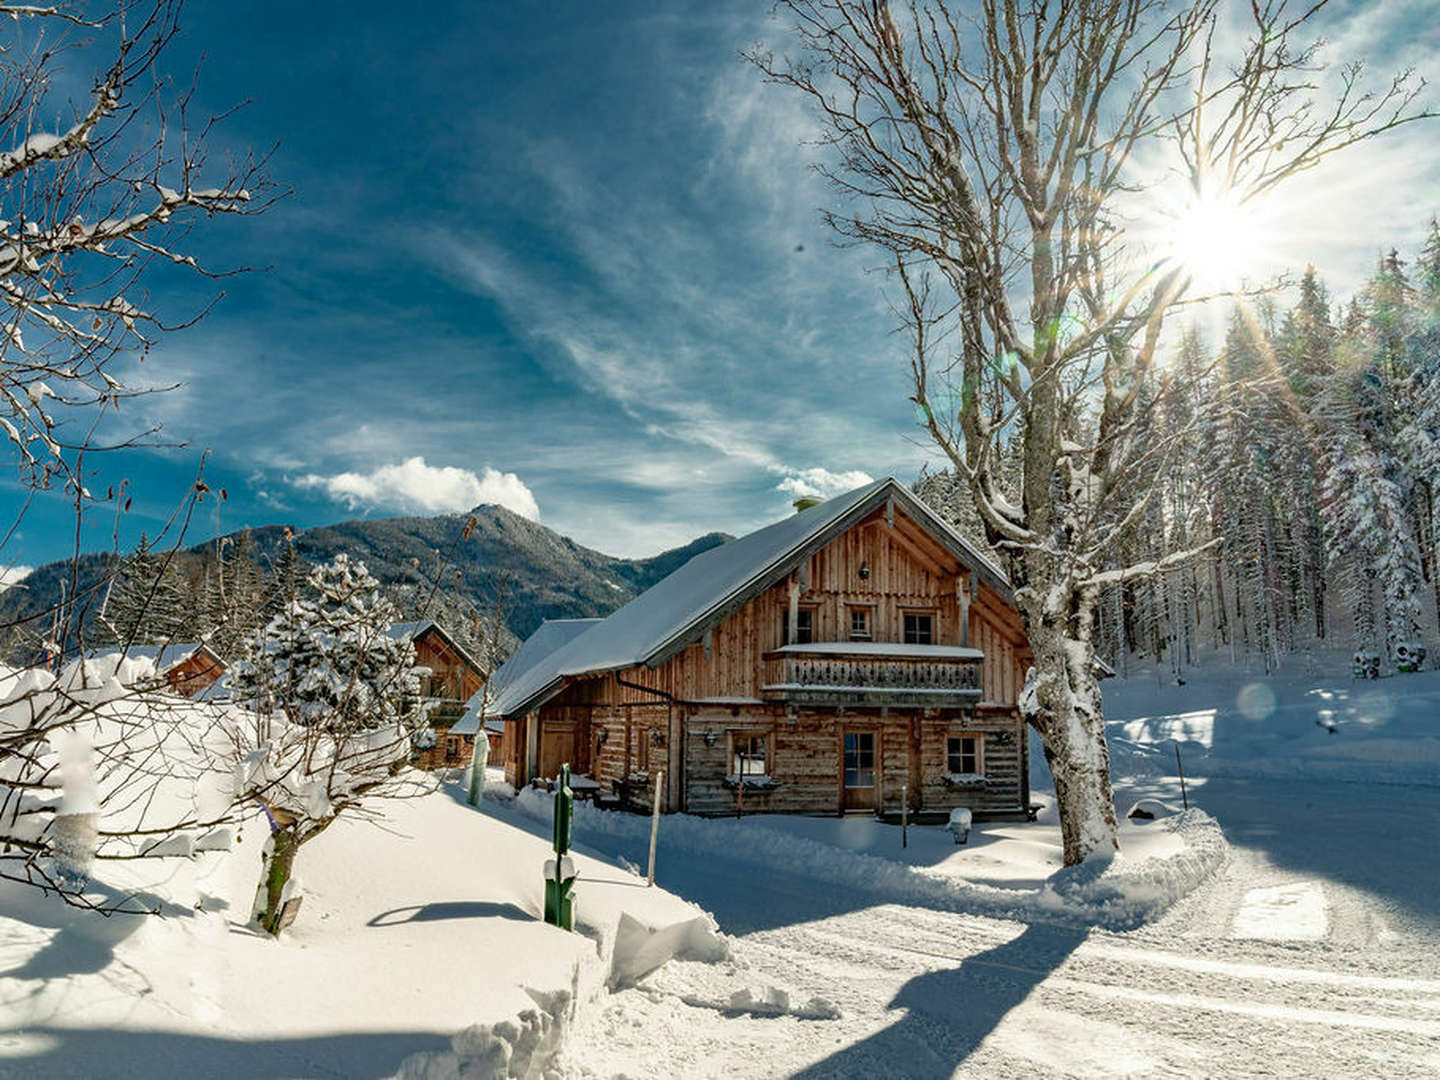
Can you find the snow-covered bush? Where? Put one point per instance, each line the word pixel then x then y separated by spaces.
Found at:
pixel 97 764
pixel 333 707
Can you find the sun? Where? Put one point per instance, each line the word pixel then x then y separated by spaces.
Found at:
pixel 1218 241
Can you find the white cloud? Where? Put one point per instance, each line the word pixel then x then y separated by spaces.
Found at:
pixel 13 575
pixel 414 485
pixel 821 483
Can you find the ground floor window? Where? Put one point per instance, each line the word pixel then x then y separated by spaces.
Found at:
pixel 452 748
pixel 859 759
pixel 964 754
pixel 749 754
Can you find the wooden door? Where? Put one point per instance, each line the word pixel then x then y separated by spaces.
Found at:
pixel 556 748
pixel 859 769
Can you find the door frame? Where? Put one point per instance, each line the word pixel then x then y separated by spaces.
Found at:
pixel 875 732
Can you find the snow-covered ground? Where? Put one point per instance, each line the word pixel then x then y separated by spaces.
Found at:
pixel 1305 941
pixel 419 948
pixel 1313 951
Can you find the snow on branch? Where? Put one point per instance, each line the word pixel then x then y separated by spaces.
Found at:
pixel 1149 569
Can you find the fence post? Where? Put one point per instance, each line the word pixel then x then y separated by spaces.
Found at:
pixel 654 824
pixel 560 872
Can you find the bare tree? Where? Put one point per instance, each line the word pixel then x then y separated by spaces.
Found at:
pixel 97 193
pixel 997 154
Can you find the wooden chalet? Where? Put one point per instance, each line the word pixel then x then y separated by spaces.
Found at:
pixel 450 679
pixel 835 661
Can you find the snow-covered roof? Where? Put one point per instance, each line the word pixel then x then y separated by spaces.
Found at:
pixel 165 657
pixel 408 631
pixel 551 635
pixel 884 648
pixel 677 610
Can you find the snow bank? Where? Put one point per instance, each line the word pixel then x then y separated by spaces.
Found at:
pixel 1121 893
pixel 636 929
pixel 1180 852
pixel 1295 724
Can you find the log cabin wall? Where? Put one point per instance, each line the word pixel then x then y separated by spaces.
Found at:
pixel 452 677
pixel 907 572
pixel 806 759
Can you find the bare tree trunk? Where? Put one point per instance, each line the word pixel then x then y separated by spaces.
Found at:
pixel 277 875
pixel 1064 707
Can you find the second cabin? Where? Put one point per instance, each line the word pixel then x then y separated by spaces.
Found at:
pixel 845 659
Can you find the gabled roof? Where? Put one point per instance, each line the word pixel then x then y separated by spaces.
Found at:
pixel 410 631
pixel 551 635
pixel 677 610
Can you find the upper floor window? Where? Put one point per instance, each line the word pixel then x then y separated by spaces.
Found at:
pixel 804 628
pixel 859 624
pixel 919 629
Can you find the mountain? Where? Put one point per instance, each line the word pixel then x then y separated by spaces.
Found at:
pixel 545 575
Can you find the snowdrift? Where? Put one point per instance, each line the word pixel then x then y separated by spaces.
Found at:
pixel 1120 893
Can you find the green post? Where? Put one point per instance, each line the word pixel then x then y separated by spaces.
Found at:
pixel 560 882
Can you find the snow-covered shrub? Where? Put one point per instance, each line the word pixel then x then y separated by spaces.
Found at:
pixel 1409 655
pixel 333 710
pixel 96 764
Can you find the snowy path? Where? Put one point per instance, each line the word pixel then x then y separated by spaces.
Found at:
pixel 1340 980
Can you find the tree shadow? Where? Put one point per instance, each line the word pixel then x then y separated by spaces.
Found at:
pixel 451 909
pixel 1365 836
pixel 85 939
pixel 948 1014
pixel 121 1054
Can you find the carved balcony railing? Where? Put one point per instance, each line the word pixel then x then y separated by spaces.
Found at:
pixel 887 673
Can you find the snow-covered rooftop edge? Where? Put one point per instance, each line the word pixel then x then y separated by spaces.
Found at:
pixel 676 609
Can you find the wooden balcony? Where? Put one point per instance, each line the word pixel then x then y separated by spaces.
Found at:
pixel 864 673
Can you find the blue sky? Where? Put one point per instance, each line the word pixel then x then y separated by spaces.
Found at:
pixel 568 257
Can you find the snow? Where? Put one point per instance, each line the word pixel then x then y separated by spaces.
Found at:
pixel 1293 912
pixel 884 648
pixel 1303 940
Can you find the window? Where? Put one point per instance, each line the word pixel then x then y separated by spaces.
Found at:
pixel 859 624
pixel 804 627
pixel 919 629
pixel 748 754
pixel 452 748
pixel 964 755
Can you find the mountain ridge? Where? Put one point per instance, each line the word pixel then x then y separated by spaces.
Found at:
pixel 540 573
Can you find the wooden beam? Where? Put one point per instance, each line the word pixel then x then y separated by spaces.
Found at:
pixel 794 616
pixel 962 597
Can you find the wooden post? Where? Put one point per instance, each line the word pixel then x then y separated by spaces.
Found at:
pixel 1185 798
pixel 654 825
pixel 962 597
pixel 904 815
pixel 794 615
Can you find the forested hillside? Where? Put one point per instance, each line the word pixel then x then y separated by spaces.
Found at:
pixel 461 568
